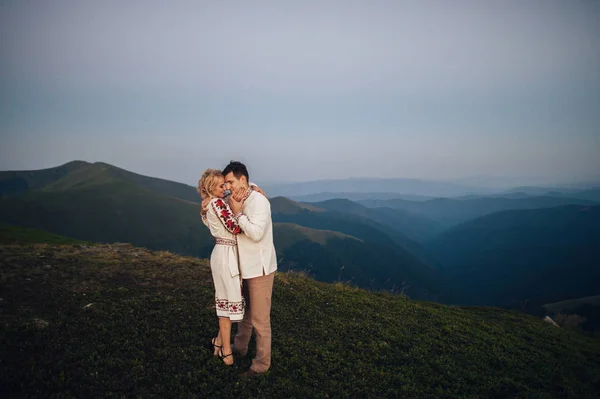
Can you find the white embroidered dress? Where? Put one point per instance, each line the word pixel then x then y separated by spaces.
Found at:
pixel 224 263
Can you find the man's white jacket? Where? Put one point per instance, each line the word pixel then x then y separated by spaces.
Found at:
pixel 255 245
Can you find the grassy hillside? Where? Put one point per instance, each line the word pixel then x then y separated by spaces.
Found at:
pixel 287 234
pixel 584 313
pixel 22 235
pixel 332 256
pixel 395 261
pixel 287 211
pixel 116 320
pixel 451 212
pixel 100 172
pixel 512 256
pixel 573 304
pixel 16 182
pixel 107 209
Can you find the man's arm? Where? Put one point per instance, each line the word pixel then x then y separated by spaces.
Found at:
pixel 258 216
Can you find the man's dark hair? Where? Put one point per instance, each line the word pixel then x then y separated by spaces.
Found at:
pixel 238 169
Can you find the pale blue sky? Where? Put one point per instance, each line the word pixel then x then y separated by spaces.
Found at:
pixel 307 90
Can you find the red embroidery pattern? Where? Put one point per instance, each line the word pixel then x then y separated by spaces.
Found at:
pixel 224 213
pixel 233 308
pixel 250 189
pixel 226 241
pixel 221 304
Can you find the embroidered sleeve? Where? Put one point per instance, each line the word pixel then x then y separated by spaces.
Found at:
pixel 226 217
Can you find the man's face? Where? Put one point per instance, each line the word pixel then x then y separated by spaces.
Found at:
pixel 232 183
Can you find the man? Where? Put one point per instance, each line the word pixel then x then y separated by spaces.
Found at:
pixel 258 263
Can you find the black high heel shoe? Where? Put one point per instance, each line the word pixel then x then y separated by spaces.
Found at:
pixel 223 357
pixel 215 346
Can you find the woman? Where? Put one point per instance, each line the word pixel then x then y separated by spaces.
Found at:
pixel 224 265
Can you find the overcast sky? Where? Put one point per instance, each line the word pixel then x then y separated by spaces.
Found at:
pixel 304 90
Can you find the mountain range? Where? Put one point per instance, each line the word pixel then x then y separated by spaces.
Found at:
pixel 417 189
pixel 363 185
pixel 517 255
pixel 447 212
pixel 103 203
pixel 501 250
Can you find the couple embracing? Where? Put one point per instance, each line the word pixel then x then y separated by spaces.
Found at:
pixel 243 262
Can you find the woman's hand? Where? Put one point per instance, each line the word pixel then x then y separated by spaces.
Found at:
pixel 205 203
pixel 236 201
pixel 235 205
pixel 239 194
pixel 260 190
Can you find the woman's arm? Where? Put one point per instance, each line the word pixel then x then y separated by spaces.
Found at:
pixel 256 188
pixel 225 215
pixel 204 211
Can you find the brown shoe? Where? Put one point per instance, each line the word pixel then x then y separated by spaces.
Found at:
pixel 251 374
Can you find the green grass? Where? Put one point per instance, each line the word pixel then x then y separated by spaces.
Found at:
pixel 23 235
pixel 116 320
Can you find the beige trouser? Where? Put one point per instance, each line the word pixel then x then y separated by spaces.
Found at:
pixel 258 315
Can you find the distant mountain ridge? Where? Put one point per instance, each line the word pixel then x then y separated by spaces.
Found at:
pixel 357 196
pixel 593 194
pixel 517 255
pixel 590 194
pixel 103 203
pixel 357 189
pixel 416 227
pixel 383 248
pixel 450 212
pixel 362 185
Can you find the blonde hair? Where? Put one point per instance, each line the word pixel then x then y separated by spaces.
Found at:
pixel 208 182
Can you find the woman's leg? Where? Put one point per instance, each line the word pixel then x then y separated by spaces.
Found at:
pixel 217 343
pixel 225 334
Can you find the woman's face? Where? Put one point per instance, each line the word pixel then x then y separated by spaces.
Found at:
pixel 219 190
